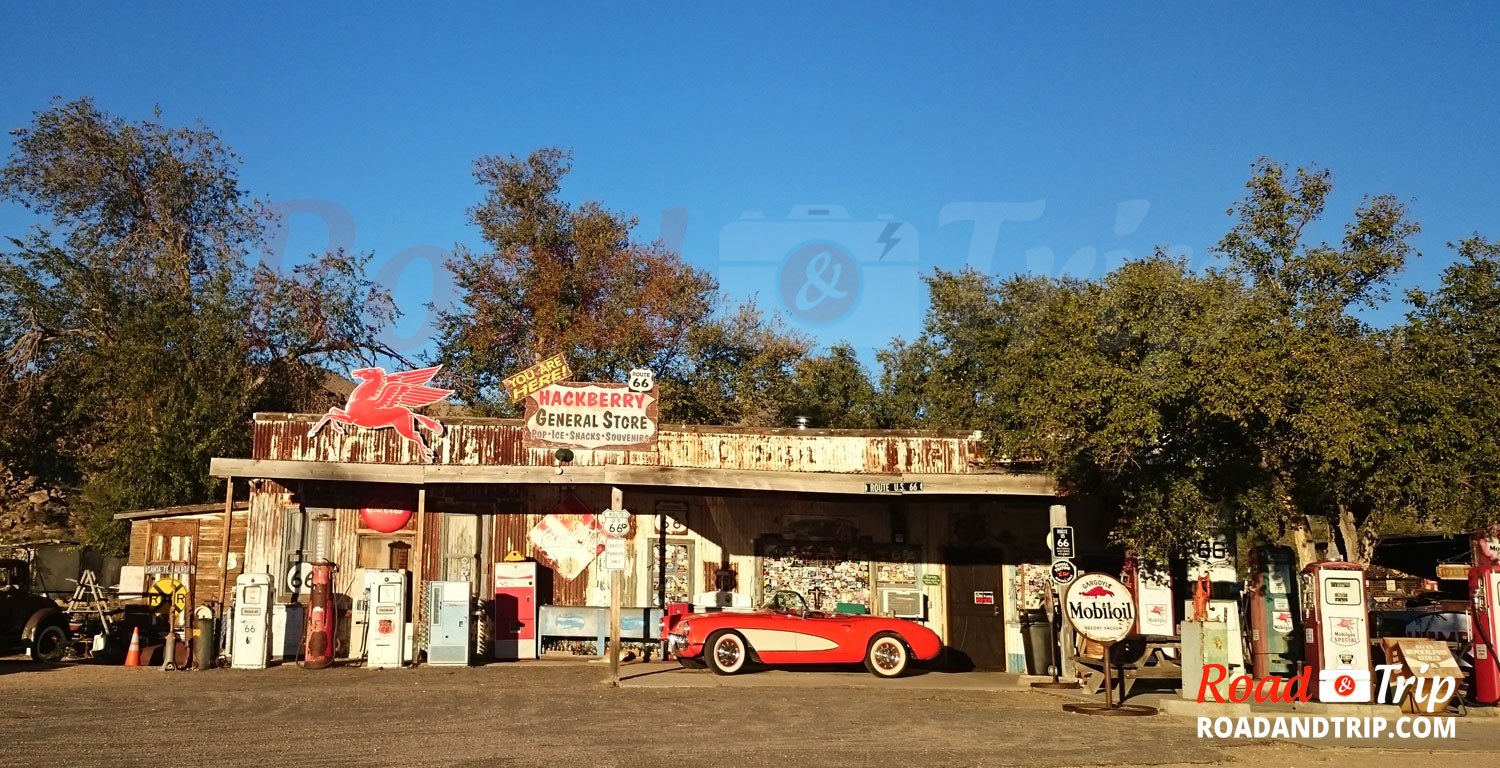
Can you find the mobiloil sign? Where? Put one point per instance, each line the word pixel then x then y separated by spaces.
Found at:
pixel 1100 607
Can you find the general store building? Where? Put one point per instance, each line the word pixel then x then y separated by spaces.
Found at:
pixel 888 522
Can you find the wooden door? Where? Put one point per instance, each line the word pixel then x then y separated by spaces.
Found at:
pixel 173 553
pixel 461 549
pixel 976 620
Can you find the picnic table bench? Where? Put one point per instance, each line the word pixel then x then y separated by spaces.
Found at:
pixel 1137 657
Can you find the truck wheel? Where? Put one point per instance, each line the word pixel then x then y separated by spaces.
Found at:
pixel 727 652
pixel 887 656
pixel 49 643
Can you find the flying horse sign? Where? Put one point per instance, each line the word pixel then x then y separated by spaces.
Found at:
pixel 386 400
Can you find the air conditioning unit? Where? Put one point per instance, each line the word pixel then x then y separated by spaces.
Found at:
pixel 903 603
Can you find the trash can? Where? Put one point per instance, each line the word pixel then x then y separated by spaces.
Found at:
pixel 205 642
pixel 1036 637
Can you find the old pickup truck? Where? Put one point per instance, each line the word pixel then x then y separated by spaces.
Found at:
pixel 29 622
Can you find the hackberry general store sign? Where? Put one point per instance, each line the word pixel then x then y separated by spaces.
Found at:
pixel 592 416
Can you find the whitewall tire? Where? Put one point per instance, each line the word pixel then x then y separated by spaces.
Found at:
pixel 727 652
pixel 887 656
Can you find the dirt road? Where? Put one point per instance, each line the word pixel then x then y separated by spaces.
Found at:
pixel 563 714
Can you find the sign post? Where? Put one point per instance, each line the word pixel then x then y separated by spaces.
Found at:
pixel 616 577
pixel 1062 574
pixel 1103 610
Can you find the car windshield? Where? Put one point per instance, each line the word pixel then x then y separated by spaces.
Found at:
pixel 786 602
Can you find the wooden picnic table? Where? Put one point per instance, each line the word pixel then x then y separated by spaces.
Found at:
pixel 1137 657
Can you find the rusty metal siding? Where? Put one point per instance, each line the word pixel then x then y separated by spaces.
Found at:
pixel 499 442
pixel 266 522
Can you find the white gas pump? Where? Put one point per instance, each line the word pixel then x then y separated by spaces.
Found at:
pixel 387 619
pixel 252 621
pixel 1336 631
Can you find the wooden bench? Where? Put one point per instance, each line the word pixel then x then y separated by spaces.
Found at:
pixel 1134 658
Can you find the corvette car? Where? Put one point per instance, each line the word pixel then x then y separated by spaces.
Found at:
pixel 785 632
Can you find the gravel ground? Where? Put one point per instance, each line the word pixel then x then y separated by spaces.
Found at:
pixel 564 714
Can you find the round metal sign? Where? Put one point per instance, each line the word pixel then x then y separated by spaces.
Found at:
pixel 1100 607
pixel 1063 571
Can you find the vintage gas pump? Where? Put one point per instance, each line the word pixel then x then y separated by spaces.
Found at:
pixel 320 641
pixel 1274 645
pixel 386 646
pixel 1336 632
pixel 515 610
pixel 252 621
pixel 1484 591
pixel 1152 587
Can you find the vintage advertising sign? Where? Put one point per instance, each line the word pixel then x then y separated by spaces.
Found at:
pixel 567 543
pixel 1063 571
pixel 1100 607
pixel 386 400
pixel 387 510
pixel 591 416
pixel 533 379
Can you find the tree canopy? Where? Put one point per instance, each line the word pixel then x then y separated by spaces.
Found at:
pixel 136 339
pixel 1252 396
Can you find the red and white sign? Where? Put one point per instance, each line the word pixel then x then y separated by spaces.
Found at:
pixel 591 416
pixel 387 510
pixel 567 543
pixel 1100 607
pixel 386 400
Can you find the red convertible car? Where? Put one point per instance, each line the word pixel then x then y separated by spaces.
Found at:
pixel 785 632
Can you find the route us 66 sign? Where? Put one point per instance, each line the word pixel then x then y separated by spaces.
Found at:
pixel 640 380
pixel 616 522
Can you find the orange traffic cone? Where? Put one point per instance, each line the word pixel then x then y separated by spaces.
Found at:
pixel 133 656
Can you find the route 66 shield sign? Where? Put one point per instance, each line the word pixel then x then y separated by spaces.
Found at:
pixel 641 380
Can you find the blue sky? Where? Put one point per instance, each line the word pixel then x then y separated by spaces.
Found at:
pixel 1111 129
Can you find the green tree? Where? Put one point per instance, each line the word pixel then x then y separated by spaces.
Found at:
pixel 570 279
pixel 1446 366
pixel 1252 397
pixel 835 391
pixel 736 370
pixel 136 340
pixel 561 278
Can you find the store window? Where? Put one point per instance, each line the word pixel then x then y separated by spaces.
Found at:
pixel 678 559
pixel 384 552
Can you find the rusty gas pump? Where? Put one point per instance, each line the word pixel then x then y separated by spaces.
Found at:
pixel 320 639
pixel 1275 647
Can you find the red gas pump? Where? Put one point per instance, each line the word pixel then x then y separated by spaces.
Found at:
pixel 320 640
pixel 1484 592
pixel 1336 630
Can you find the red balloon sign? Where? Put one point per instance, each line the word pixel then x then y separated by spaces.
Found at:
pixel 386 511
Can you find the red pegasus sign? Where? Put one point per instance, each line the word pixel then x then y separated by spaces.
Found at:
pixel 385 400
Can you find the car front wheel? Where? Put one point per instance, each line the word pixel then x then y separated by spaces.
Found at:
pixel 727 653
pixel 887 656
pixel 49 643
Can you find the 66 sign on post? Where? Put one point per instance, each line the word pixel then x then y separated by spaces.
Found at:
pixel 616 523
